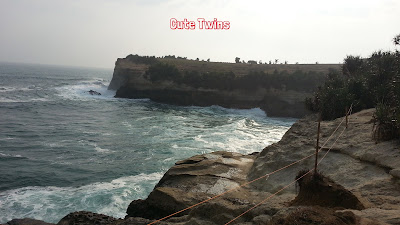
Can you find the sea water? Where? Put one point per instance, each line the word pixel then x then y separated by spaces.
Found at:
pixel 64 150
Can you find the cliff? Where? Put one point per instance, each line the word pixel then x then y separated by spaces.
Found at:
pixel 279 90
pixel 363 185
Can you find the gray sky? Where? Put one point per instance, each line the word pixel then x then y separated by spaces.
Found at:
pixel 95 33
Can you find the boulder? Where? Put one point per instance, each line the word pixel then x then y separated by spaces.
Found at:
pixel 86 218
pixel 27 221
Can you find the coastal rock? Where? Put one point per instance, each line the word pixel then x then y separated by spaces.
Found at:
pixel 355 161
pixel 131 80
pixel 316 189
pixel 27 221
pixel 86 218
pixel 315 215
pixel 363 186
pixel 197 179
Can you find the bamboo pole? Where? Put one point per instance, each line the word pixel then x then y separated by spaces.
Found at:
pixel 317 146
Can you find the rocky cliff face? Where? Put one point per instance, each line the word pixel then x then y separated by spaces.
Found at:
pixel 368 169
pixel 363 188
pixel 131 80
pixel 363 185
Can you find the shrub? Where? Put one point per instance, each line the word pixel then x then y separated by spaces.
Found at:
pixel 142 59
pixel 352 65
pixel 365 83
pixel 163 72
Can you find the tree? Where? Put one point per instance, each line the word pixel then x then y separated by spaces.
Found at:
pixel 396 40
pixel 208 60
pixel 276 61
pixel 237 60
pixel 352 65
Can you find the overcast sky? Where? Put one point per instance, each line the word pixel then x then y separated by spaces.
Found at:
pixel 95 33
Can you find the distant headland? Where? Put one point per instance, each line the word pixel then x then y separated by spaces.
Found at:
pixel 278 89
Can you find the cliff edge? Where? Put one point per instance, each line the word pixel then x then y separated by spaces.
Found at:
pixel 278 89
pixel 360 183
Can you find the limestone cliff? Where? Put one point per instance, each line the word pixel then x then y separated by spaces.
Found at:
pixel 280 96
pixel 363 189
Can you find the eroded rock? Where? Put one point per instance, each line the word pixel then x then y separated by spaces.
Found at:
pixel 197 179
pixel 27 221
pixel 86 218
pixel 319 190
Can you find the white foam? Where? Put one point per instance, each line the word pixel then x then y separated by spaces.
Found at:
pixel 6 139
pixel 53 144
pixel 16 100
pixel 101 150
pixel 199 138
pixel 80 91
pixel 145 118
pixel 4 155
pixel 255 112
pixel 11 89
pixel 52 203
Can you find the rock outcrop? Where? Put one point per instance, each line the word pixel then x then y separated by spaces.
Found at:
pixel 195 180
pixel 318 215
pixel 27 221
pixel 363 186
pixel 84 218
pixel 132 79
pixel 318 190
pixel 356 162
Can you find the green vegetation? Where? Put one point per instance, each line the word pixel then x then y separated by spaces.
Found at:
pixel 365 83
pixel 228 80
pixel 164 71
pixel 142 59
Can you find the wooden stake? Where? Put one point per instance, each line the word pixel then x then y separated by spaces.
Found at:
pixel 317 147
pixel 347 118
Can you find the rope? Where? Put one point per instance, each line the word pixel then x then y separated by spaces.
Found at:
pixel 233 189
pixel 263 201
pixel 252 181
pixel 269 197
pixel 349 113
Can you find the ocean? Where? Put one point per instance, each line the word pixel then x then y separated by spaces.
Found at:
pixel 64 150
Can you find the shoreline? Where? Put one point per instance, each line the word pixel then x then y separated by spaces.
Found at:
pixel 202 176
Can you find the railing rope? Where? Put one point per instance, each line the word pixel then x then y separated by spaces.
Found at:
pixel 267 175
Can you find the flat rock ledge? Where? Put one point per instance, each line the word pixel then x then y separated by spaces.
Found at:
pixel 363 180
